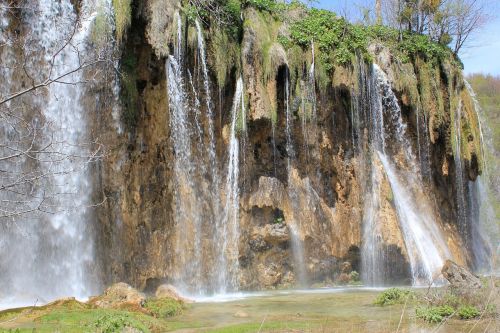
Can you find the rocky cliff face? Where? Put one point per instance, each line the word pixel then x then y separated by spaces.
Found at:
pixel 304 165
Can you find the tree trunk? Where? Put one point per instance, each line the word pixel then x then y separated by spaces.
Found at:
pixel 378 11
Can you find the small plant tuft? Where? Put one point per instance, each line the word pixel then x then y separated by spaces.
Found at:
pixel 468 312
pixel 354 276
pixel 114 323
pixel 434 314
pixel 394 296
pixel 164 307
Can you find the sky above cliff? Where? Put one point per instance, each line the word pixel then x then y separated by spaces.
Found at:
pixel 482 57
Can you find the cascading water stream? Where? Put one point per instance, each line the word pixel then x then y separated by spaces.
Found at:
pixel 461 200
pixel 195 204
pixel 297 243
pixel 484 226
pixel 425 246
pixel 187 206
pixel 206 216
pixel 210 118
pixel 424 243
pixel 228 231
pixel 367 103
pixel 54 252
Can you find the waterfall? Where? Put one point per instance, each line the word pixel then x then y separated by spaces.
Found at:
pixel 178 49
pixel 424 243
pixel 461 200
pixel 46 256
pixel 367 108
pixel 187 207
pixel 484 226
pixel 423 144
pixel 312 88
pixel 210 116
pixel 206 213
pixel 228 231
pixel 389 146
pixel 297 243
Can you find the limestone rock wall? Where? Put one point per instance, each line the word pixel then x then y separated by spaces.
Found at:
pixel 323 191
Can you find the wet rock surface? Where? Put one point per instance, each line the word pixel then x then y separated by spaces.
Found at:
pixel 119 296
pixel 169 291
pixel 319 191
pixel 460 278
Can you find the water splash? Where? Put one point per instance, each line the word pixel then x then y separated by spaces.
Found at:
pixel 298 256
pixel 54 253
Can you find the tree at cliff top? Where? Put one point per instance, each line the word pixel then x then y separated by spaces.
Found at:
pixel 445 21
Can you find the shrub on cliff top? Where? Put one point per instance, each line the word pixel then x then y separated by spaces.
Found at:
pixel 339 40
pixel 336 38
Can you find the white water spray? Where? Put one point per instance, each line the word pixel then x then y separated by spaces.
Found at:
pixel 229 230
pixel 50 256
pixel 423 239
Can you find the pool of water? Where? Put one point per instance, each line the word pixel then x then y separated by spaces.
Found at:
pixel 318 310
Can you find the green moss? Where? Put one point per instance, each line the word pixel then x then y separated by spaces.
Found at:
pixel 123 17
pixel 129 93
pixel 102 28
pixel 469 132
pixel 164 307
pixel 224 55
pixel 266 28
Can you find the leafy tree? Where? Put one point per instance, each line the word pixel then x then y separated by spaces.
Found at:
pixel 445 21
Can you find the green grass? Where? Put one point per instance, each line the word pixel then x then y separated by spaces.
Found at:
pixel 264 326
pixel 276 312
pixel 77 317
